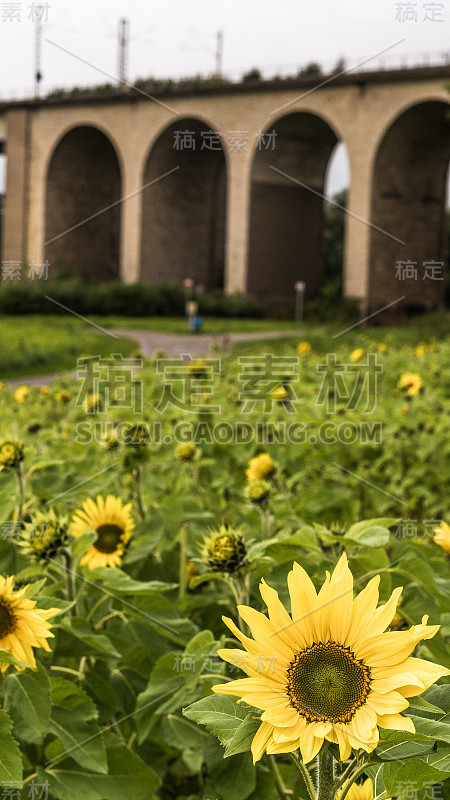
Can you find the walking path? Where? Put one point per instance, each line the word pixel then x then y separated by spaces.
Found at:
pixel 172 344
pixel 194 344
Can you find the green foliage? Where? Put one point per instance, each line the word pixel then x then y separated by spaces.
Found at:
pixel 122 705
pixel 114 297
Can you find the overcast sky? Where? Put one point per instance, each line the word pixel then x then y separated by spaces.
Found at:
pixel 178 38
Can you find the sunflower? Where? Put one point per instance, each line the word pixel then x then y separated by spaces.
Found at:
pixel 21 393
pixel 11 455
pixel 442 536
pixel 280 395
pixel 225 550
pixel 185 451
pixel 43 537
pixel 113 523
pixel 411 382
pixel 62 397
pixel 260 467
pixel 257 491
pixel 22 626
pixel 329 672
pixel 93 404
pixel 357 354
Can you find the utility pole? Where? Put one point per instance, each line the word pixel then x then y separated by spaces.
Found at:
pixel 219 54
pixel 37 51
pixel 123 52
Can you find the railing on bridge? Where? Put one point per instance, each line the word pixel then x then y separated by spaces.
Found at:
pixel 378 62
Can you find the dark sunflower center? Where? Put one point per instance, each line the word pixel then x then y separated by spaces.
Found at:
pixel 326 683
pixel 108 538
pixel 6 620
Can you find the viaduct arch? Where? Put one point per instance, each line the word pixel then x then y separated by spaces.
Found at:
pixel 84 178
pixel 183 219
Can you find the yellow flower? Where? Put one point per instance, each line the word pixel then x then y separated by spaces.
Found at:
pixel 303 348
pixel 185 451
pixel 279 394
pixel 357 354
pixel 11 454
pixel 62 397
pixel 260 467
pixel 362 791
pixel 421 349
pixel 45 390
pixel 442 536
pixel 113 523
pixel 22 626
pixel 21 393
pixel 93 403
pixel 329 672
pixel 410 381
pixel 382 347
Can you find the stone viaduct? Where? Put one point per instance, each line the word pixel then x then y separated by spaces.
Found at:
pixel 184 184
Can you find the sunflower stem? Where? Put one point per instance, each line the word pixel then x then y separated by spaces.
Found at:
pixel 282 789
pixel 306 776
pixel 325 774
pixel 340 779
pixel 182 573
pixel 20 490
pixel 349 783
pixel 70 578
pixel 137 475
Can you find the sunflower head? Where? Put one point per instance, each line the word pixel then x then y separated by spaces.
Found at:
pixel 357 354
pixel 21 393
pixel 63 397
pixel 44 535
pixel 279 395
pixel 186 451
pixel 442 536
pixel 225 550
pixel 198 368
pixel 137 436
pixel 411 383
pixel 327 671
pixel 257 491
pixel 260 467
pixel 337 527
pixel 93 404
pixel 303 348
pixel 113 525
pixel 11 454
pixel 22 625
pixel 110 440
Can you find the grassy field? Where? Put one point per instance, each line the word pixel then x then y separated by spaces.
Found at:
pixel 33 345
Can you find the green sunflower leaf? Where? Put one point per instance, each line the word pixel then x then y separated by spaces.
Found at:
pixel 27 701
pixel 221 715
pixel 10 760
